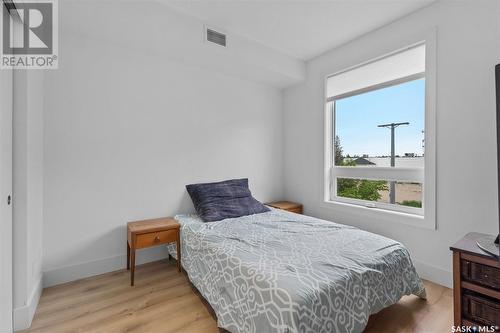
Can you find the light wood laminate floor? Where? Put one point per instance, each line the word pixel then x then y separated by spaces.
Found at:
pixel 164 301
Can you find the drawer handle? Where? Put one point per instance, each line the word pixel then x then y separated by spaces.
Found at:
pixel 485 276
pixel 157 239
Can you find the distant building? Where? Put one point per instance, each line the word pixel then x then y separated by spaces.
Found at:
pixel 409 154
pixel 404 162
pixel 363 161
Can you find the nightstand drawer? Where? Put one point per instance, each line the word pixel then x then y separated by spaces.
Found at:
pixel 156 238
pixel 481 274
pixel 481 309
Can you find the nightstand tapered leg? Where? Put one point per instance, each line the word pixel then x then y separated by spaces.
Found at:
pixel 128 256
pixel 132 266
pixel 179 267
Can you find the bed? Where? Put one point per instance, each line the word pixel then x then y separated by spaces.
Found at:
pixel 284 272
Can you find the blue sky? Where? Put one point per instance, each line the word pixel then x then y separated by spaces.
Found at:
pixel 357 118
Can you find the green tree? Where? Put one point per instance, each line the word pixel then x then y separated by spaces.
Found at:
pixel 356 188
pixel 337 148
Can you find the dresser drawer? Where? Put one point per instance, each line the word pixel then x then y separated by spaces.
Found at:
pixel 480 274
pixel 480 309
pixel 156 238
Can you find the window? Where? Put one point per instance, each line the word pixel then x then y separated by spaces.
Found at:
pixel 376 137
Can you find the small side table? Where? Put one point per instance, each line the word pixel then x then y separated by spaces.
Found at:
pixel 476 284
pixel 148 233
pixel 287 205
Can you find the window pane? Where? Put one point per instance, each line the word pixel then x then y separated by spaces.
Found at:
pixel 406 193
pixel 358 137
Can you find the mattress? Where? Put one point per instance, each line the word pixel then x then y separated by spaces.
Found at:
pixel 284 272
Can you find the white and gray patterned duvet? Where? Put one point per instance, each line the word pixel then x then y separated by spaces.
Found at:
pixel 284 272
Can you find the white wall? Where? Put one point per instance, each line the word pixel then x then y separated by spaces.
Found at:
pixel 126 130
pixel 27 194
pixel 154 28
pixel 468 46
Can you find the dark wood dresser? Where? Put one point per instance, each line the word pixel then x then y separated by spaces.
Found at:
pixel 476 284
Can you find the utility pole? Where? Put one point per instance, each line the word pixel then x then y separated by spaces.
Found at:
pixel 423 143
pixel 392 126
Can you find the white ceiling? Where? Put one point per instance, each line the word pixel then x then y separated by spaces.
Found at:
pixel 302 29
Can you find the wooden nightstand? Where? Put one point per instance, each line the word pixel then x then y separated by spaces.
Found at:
pixel 147 233
pixel 287 205
pixel 476 284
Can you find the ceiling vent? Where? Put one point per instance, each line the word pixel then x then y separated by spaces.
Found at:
pixel 215 37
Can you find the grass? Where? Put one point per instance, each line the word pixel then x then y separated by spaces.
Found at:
pixel 412 203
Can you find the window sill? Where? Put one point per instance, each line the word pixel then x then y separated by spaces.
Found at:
pixel 359 211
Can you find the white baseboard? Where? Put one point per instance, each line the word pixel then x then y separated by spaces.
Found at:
pixel 434 274
pixel 74 272
pixel 109 264
pixel 24 315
